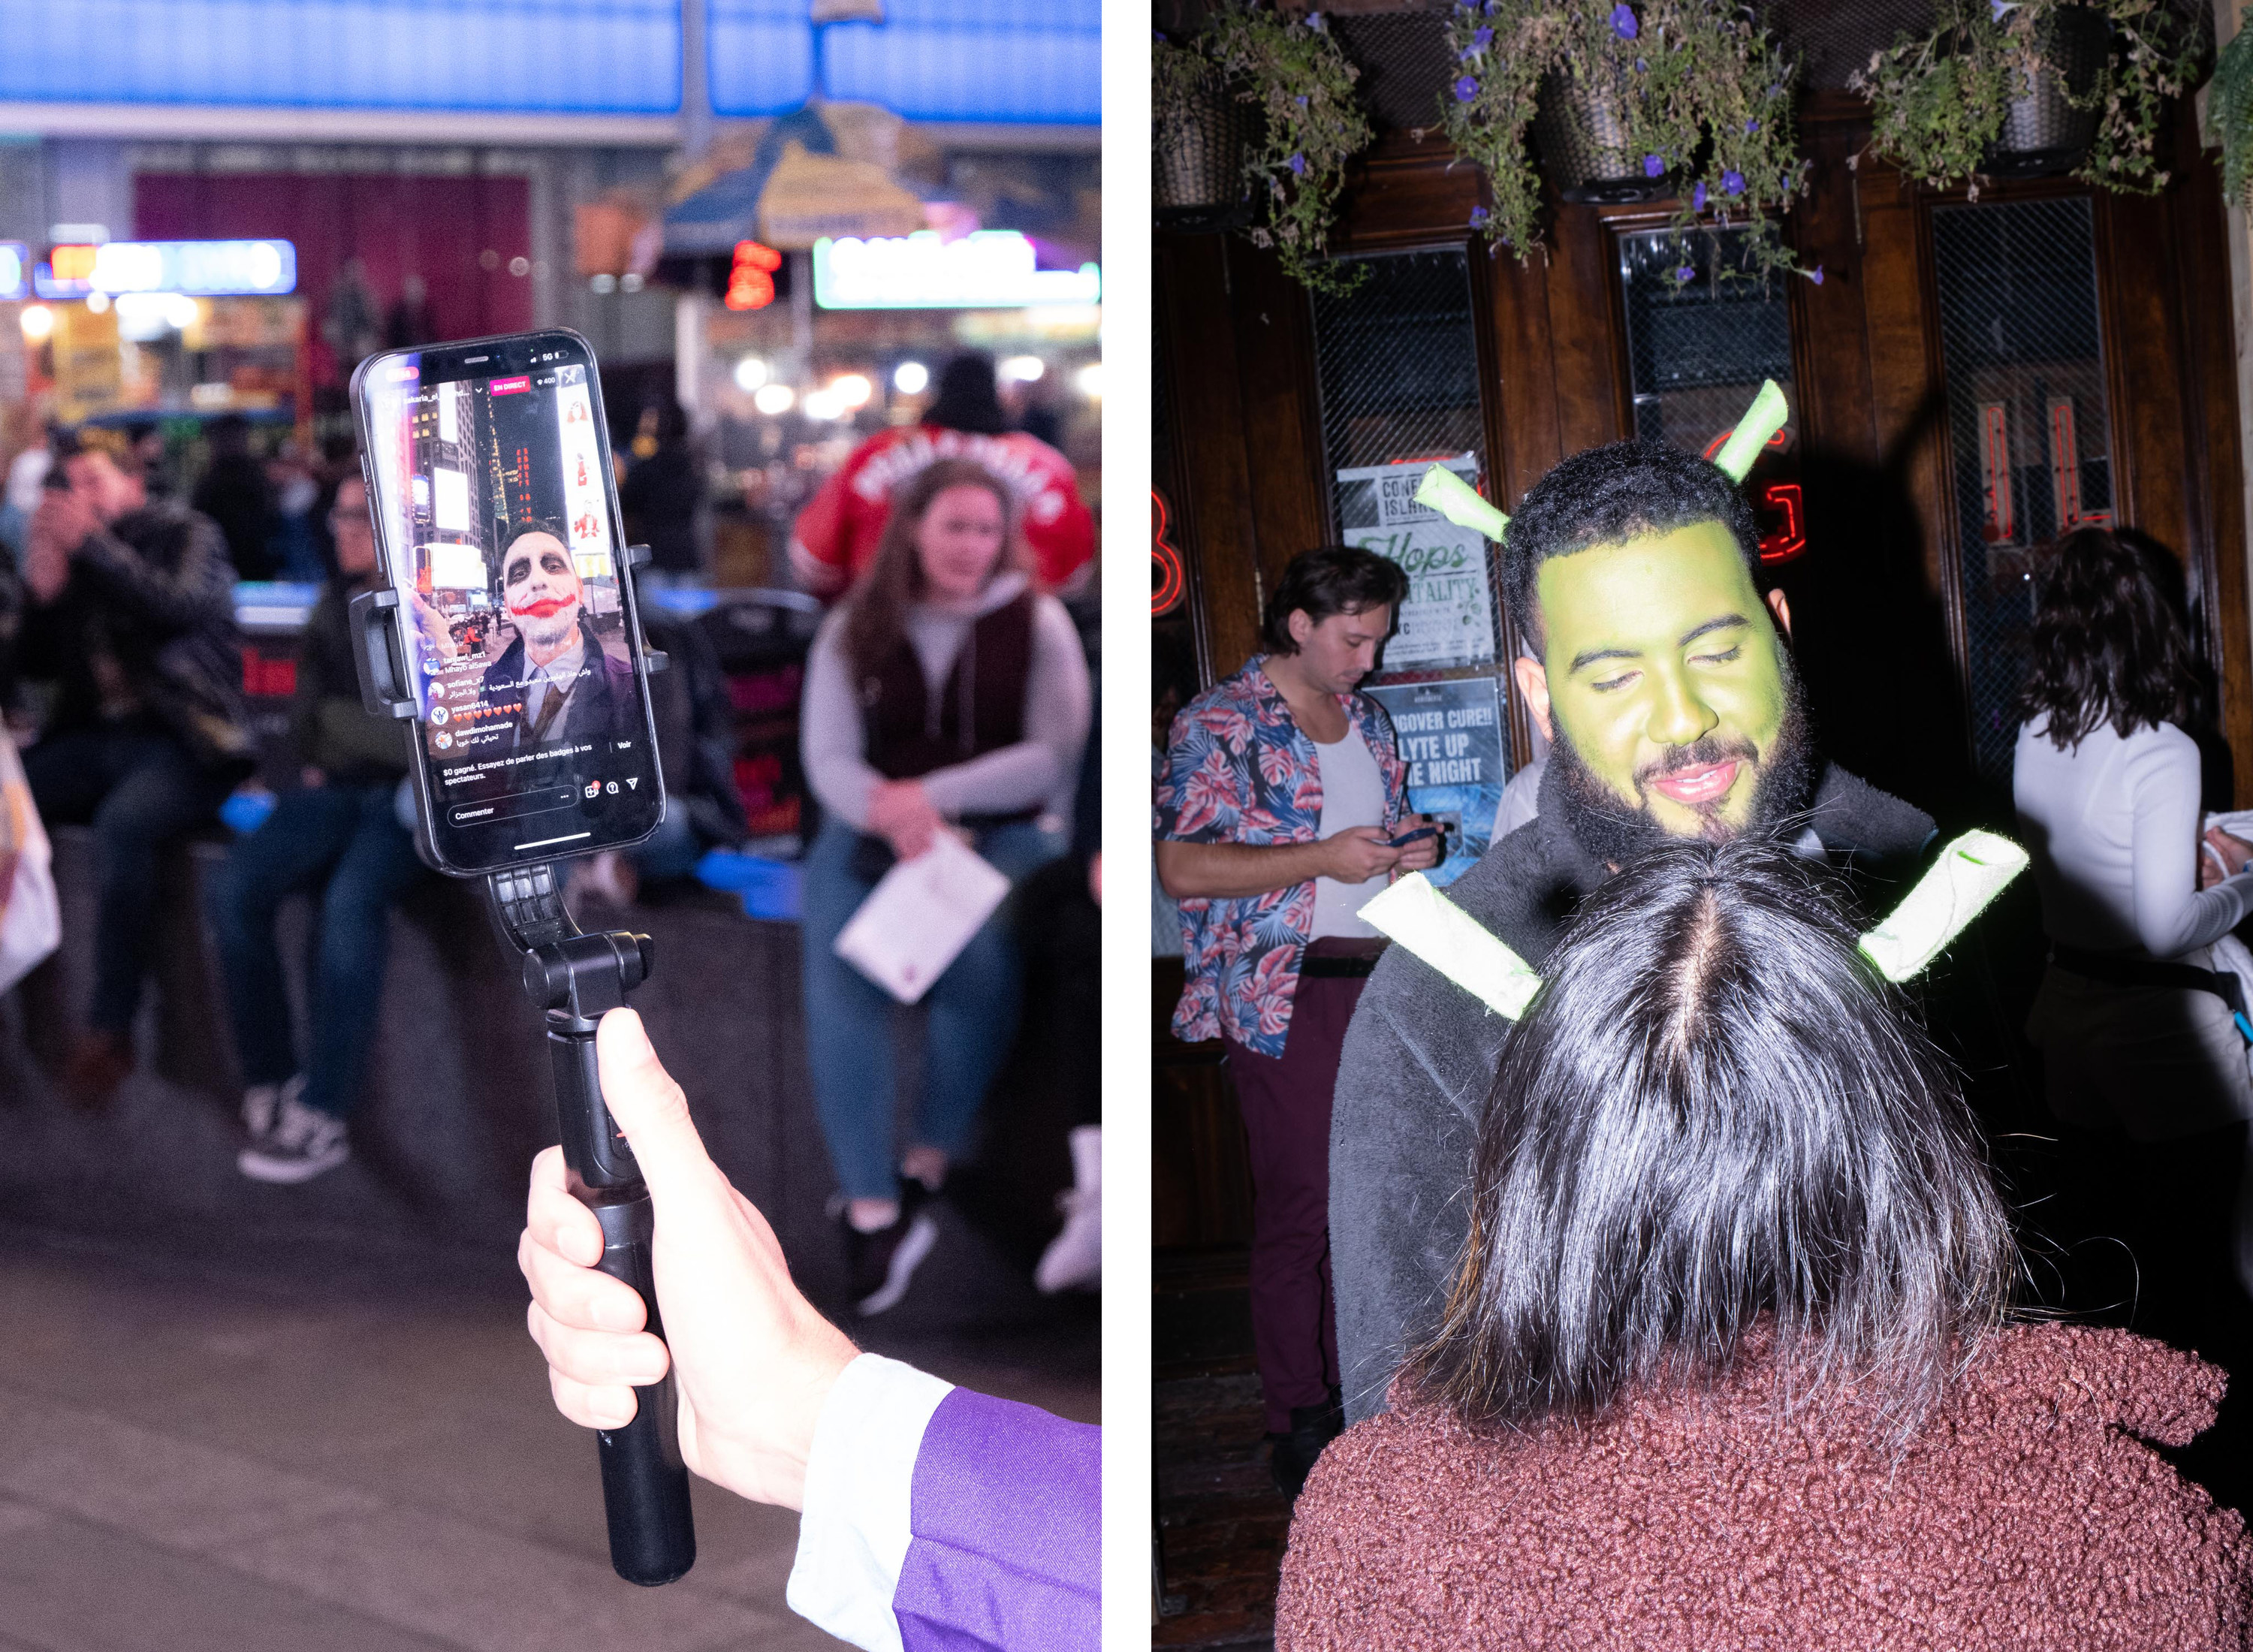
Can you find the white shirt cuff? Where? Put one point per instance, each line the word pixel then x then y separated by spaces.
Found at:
pixel 852 1537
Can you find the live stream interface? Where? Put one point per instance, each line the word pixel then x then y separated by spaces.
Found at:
pixel 510 586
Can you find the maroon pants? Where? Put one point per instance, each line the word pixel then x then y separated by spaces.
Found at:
pixel 1286 1103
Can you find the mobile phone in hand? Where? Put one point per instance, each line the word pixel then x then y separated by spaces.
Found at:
pixel 1417 835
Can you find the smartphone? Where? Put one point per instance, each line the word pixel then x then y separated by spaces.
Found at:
pixel 496 525
pixel 1415 836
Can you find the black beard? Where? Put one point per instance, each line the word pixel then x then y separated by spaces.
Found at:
pixel 1615 832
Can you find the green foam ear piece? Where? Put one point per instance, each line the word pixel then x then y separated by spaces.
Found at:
pixel 1762 420
pixel 1442 490
pixel 1453 942
pixel 1970 872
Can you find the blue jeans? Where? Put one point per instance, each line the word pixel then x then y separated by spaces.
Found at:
pixel 342 845
pixel 848 1035
pixel 140 788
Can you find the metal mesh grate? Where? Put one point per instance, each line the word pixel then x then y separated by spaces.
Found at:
pixel 2021 348
pixel 1696 352
pixel 1405 65
pixel 1398 364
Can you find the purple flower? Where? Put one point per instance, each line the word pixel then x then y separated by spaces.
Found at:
pixel 1751 126
pixel 1478 217
pixel 1732 182
pixel 1686 273
pixel 2001 9
pixel 1466 89
pixel 1302 100
pixel 1641 68
pixel 1698 197
pixel 1623 23
pixel 1815 275
pixel 1480 38
pixel 1299 165
pixel 1652 166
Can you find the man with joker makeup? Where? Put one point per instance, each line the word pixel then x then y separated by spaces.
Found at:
pixel 1664 678
pixel 557 673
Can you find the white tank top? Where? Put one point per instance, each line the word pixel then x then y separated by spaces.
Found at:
pixel 1353 795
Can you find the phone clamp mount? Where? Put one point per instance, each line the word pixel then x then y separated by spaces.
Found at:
pixel 573 979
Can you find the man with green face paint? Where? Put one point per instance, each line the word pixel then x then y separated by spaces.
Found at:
pixel 1664 680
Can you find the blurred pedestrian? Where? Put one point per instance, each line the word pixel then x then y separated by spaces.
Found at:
pixel 337 838
pixel 663 493
pixel 837 533
pixel 943 695
pixel 236 493
pixel 131 612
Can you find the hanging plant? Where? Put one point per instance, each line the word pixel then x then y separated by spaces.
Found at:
pixel 1198 133
pixel 1940 103
pixel 1700 90
pixel 2229 116
pixel 1303 85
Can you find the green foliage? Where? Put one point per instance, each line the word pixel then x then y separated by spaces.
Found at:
pixel 1702 91
pixel 1303 85
pixel 2229 116
pixel 1938 102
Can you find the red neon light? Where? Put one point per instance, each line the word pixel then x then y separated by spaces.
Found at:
pixel 2064 463
pixel 1790 540
pixel 1168 583
pixel 1714 446
pixel 2001 526
pixel 750 279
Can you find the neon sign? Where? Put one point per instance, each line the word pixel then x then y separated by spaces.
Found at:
pixel 986 269
pixel 194 269
pixel 1783 543
pixel 1168 583
pixel 750 280
pixel 15 266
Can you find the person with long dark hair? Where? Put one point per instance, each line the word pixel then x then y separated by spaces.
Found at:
pixel 2139 1035
pixel 943 695
pixel 1727 1356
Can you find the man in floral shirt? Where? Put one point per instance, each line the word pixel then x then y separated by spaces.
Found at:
pixel 1278 813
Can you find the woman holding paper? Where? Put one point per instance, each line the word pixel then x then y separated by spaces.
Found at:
pixel 943 696
pixel 2138 1036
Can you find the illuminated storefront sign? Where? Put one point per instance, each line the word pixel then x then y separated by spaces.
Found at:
pixel 987 269
pixel 15 270
pixel 194 269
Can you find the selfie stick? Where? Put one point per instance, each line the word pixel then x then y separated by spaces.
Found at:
pixel 574 978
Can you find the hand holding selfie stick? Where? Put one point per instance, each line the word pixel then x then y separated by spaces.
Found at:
pixel 574 978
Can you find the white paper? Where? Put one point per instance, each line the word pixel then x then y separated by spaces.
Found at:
pixel 920 916
pixel 1448 619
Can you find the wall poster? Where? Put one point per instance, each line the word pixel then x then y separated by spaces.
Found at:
pixel 1450 733
pixel 1448 619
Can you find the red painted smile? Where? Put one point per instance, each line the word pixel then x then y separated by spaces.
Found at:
pixel 1707 783
pixel 544 608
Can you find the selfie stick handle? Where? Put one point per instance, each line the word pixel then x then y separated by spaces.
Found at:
pixel 574 979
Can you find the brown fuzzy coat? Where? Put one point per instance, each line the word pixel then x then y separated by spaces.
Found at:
pixel 2027 1513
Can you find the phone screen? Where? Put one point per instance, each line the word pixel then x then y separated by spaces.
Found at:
pixel 490 475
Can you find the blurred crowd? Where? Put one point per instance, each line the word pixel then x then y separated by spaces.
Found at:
pixel 947 694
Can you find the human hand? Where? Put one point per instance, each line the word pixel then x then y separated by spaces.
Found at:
pixel 1423 854
pixel 902 812
pixel 59 525
pixel 437 636
pixel 753 1360
pixel 1359 854
pixel 2234 852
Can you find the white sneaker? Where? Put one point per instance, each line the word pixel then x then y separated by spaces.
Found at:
pixel 261 1104
pixel 302 1145
pixel 1074 1258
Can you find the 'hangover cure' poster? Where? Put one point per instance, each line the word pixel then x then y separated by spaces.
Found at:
pixel 1450 734
pixel 1448 619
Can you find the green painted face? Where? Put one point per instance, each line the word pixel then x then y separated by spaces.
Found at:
pixel 1665 672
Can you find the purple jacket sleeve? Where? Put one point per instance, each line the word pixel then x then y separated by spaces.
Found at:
pixel 1005 1517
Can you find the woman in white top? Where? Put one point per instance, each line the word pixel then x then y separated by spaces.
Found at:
pixel 943 695
pixel 2106 786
